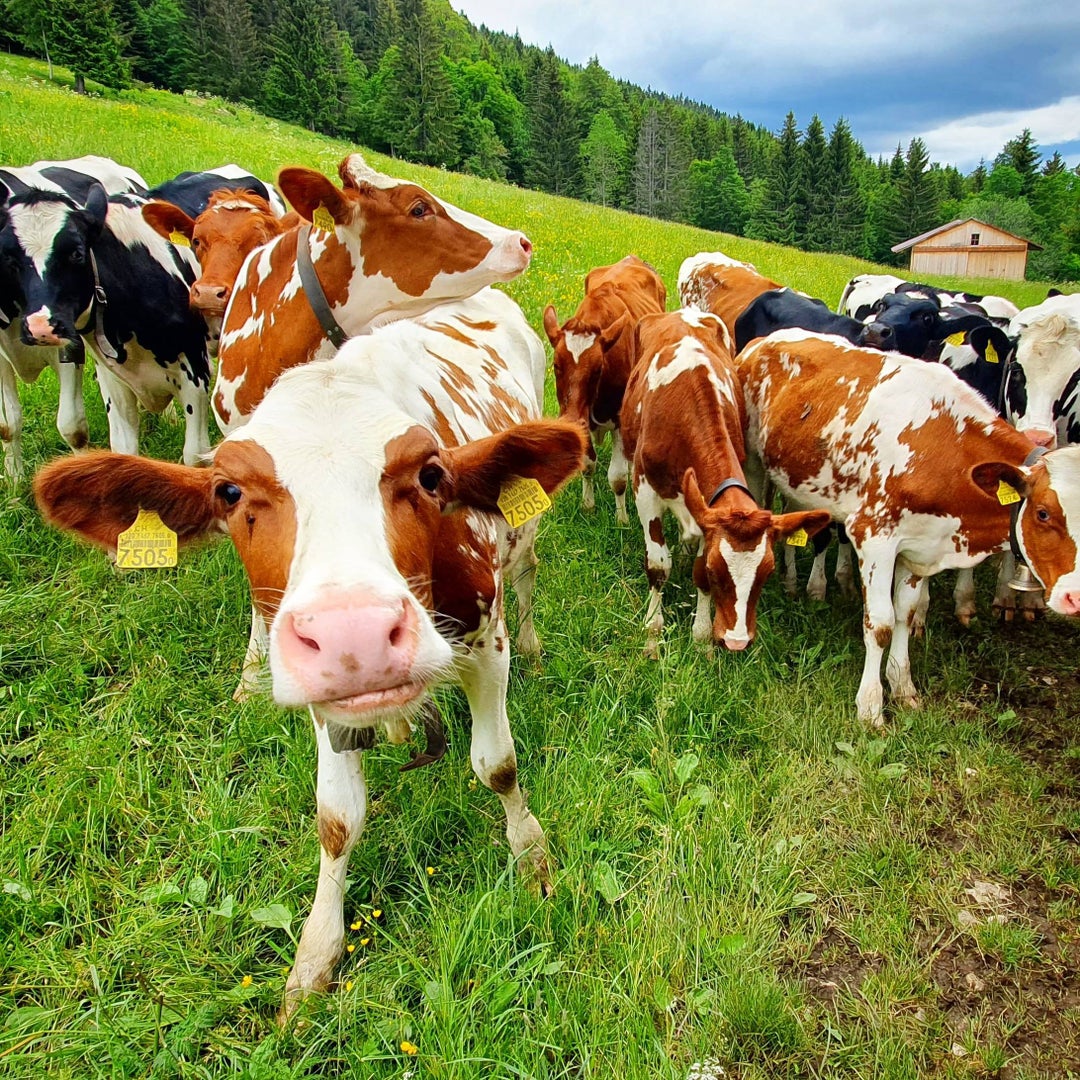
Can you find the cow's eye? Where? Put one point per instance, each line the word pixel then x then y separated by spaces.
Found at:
pixel 420 209
pixel 229 494
pixel 928 319
pixel 1042 514
pixel 430 477
pixel 77 257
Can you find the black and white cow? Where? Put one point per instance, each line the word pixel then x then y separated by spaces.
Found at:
pixel 191 191
pixel 92 271
pixel 863 291
pixel 26 361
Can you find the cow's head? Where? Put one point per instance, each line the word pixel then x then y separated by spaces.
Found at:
pixel 738 557
pixel 348 517
pixel 584 346
pixel 911 325
pixel 427 250
pixel 45 244
pixel 1048 521
pixel 1046 369
pixel 232 226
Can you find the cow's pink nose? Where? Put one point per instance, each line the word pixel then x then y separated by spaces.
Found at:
pixel 1070 603
pixel 209 297
pixel 736 644
pixel 40 329
pixel 1040 437
pixel 526 245
pixel 349 644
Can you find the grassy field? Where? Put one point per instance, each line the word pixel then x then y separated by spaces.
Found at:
pixel 748 881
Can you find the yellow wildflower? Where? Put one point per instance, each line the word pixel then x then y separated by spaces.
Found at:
pixel 350 947
pixel 409 1048
pixel 376 913
pixel 430 871
pixel 246 981
pixel 356 925
pixel 348 985
pixel 365 941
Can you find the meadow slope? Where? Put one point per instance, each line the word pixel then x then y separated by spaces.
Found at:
pixel 747 878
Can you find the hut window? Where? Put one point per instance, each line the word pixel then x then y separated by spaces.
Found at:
pixel 974 239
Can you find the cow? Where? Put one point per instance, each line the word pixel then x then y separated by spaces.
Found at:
pixel 911 325
pixel 380 249
pixel 191 191
pixel 713 281
pixel 232 225
pixel 93 273
pixel 20 358
pixel 362 498
pixel 682 426
pixel 918 468
pixel 862 292
pixel 593 357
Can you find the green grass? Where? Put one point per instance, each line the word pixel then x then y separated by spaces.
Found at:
pixel 745 875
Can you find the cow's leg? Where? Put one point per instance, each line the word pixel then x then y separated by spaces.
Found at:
pixel 71 412
pixel 963 596
pixel 521 573
pixel 907 590
pixel 845 570
pixel 818 584
pixel 10 422
pixel 484 678
pixel 791 571
pixel 342 806
pixel 618 475
pixel 702 631
pixel 122 408
pixel 922 606
pixel 254 658
pixel 877 559
pixel 657 563
pixel 588 484
pixel 193 399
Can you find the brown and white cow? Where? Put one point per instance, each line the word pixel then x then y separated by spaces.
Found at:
pixel 594 354
pixel 713 281
pixel 394 251
pixel 682 426
pixel 232 226
pixel 910 460
pixel 361 498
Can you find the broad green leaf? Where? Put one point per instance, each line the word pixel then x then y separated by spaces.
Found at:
pixel 685 766
pixel 844 747
pixel 17 888
pixel 802 899
pixel 892 771
pixel 197 890
pixel 167 892
pixel 605 882
pixel 226 908
pixel 730 944
pixel 277 916
pixel 662 996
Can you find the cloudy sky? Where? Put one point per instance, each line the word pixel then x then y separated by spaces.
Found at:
pixel 966 77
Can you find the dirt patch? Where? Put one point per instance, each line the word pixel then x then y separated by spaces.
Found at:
pixel 835 964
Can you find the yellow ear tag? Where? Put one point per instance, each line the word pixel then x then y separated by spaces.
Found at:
pixel 323 219
pixel 992 354
pixel 956 339
pixel 1007 494
pixel 522 499
pixel 148 543
pixel 179 239
pixel 798 538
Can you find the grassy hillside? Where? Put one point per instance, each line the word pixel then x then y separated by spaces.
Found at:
pixel 747 879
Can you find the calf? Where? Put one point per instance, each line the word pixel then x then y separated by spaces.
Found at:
pixel 682 425
pixel 231 227
pixel 714 282
pixel 593 357
pixel 911 460
pixel 68 183
pixel 361 497
pixel 95 274
pixel 382 249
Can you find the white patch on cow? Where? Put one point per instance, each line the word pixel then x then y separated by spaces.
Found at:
pixel 689 355
pixel 36 228
pixel 865 290
pixel 998 308
pixel 958 357
pixel 127 225
pixel 235 204
pixel 576 344
pixel 264 259
pixel 252 325
pixel 1048 352
pixel 1063 465
pixel 694 284
pixel 293 285
pixel 697 318
pixel 743 567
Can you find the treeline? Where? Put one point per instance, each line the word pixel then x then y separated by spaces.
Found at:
pixel 414 79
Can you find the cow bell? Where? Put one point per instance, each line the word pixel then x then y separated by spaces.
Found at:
pixel 1024 580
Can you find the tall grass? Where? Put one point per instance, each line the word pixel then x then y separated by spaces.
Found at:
pixel 747 879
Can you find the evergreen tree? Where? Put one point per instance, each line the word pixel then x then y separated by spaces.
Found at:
pixel 603 160
pixel 161 45
pixel 661 164
pixel 781 213
pixel 718 198
pixel 815 188
pixel 977 180
pixel 846 210
pixel 913 207
pixel 83 35
pixel 1053 165
pixel 301 84
pixel 554 163
pixel 1022 153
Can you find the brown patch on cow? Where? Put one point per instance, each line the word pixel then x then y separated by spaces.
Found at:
pixel 1050 548
pixel 443 429
pixel 727 291
pixel 656 532
pixel 503 778
pixel 333 834
pixel 219 408
pixel 474 324
pixel 262 523
pixel 412 250
pixel 451 332
pixel 882 635
pixel 500 644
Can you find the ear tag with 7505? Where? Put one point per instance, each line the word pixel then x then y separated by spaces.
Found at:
pixel 522 499
pixel 147 543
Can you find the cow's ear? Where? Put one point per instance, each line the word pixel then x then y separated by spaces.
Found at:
pixel 551 325
pixel 549 451
pixel 955 320
pixel 5 193
pixel 610 334
pixel 166 219
pixel 95 210
pixel 98 495
pixel 309 190
pixel 988 475
pixel 813 521
pixel 692 497
pixel 982 338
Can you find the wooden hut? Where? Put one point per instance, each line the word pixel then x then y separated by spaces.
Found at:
pixel 968 247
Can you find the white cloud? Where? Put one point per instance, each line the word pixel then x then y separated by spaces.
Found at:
pixel 963 141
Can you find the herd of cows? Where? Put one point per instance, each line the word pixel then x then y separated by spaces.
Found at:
pixel 385 455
